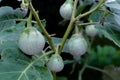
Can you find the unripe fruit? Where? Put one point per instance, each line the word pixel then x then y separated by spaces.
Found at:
pixel 77 45
pixel 55 63
pixel 31 41
pixel 91 30
pixel 66 9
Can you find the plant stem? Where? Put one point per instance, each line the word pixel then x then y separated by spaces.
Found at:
pixel 89 12
pixel 29 24
pixel 89 23
pixel 54 75
pixel 98 69
pixel 25 20
pixel 83 68
pixel 41 26
pixel 70 27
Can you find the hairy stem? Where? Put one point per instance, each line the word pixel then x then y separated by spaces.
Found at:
pixel 70 27
pixel 89 23
pixel 29 24
pixel 41 26
pixel 92 10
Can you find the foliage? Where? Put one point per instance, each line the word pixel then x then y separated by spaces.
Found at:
pixel 16 65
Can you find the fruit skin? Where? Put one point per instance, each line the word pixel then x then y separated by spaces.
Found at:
pixel 31 41
pixel 77 45
pixel 66 9
pixel 55 63
pixel 91 30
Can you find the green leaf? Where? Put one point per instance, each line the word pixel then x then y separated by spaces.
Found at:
pixel 7 13
pixel 12 33
pixel 16 66
pixel 97 16
pixel 111 32
pixel 6 24
pixel 8 16
pixel 113 5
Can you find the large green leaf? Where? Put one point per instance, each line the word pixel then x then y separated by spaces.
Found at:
pixel 16 66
